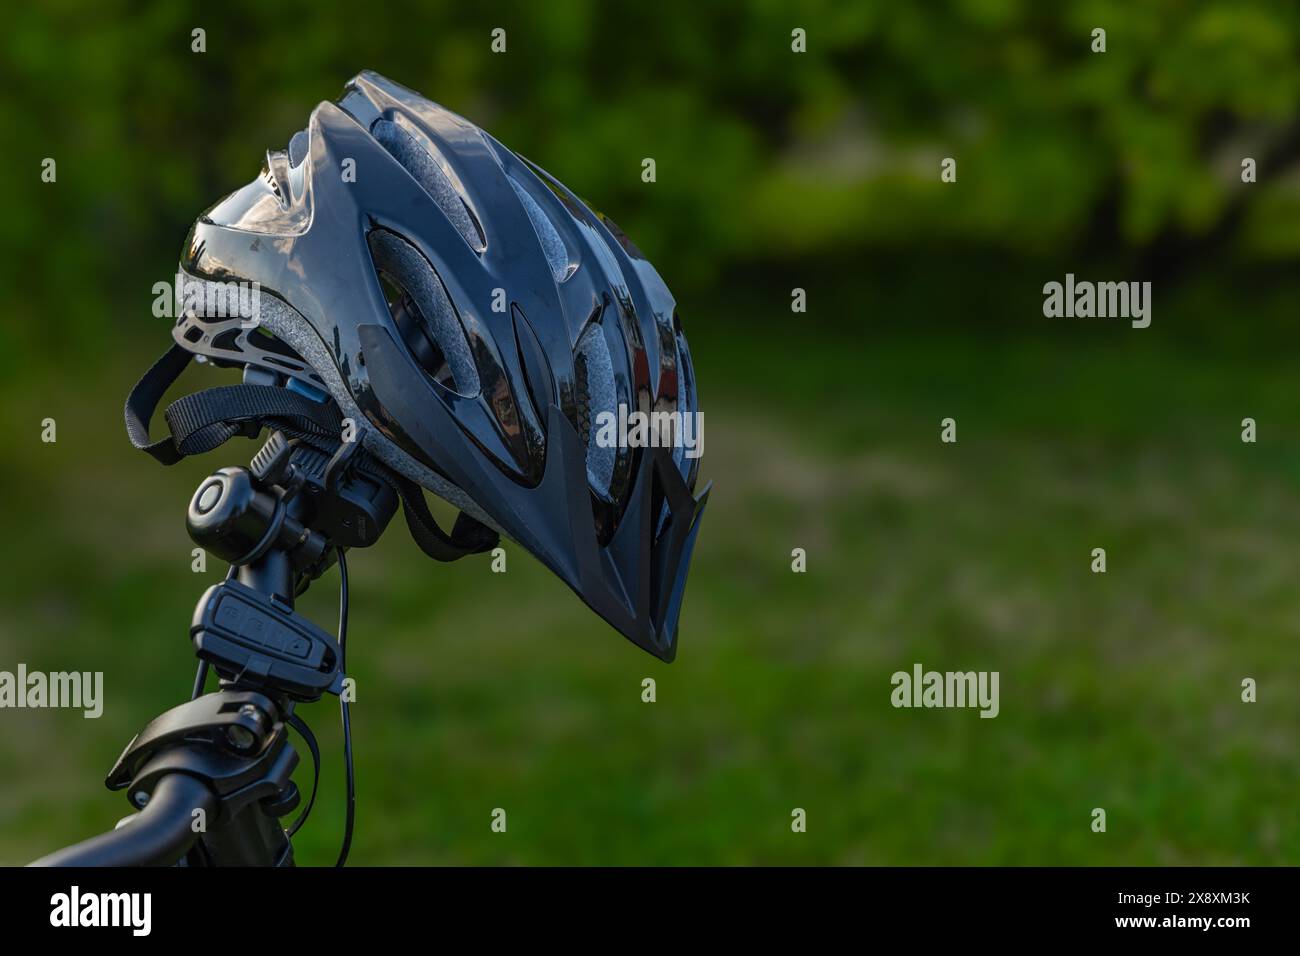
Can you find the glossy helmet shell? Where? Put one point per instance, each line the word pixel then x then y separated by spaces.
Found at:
pixel 476 318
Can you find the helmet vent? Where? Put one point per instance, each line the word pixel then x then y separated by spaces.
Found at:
pixel 417 161
pixel 557 256
pixel 594 393
pixel 686 400
pixel 298 148
pixel 268 176
pixel 423 313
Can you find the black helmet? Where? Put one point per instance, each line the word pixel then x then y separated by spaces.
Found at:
pixel 474 319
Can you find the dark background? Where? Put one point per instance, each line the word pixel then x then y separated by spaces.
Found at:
pixel 775 170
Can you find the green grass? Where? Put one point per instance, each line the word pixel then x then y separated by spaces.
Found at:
pixel 478 690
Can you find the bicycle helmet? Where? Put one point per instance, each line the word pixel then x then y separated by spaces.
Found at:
pixel 473 318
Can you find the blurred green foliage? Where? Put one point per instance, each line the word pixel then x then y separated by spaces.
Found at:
pixel 479 690
pixel 762 154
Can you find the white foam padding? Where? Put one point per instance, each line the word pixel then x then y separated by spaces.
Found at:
pixel 424 168
pixel 405 266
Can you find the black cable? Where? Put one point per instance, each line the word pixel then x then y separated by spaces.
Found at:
pixel 298 724
pixel 201 676
pixel 343 707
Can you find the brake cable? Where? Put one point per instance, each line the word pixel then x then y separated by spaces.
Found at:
pixel 201 675
pixel 349 769
pixel 300 725
pixel 309 738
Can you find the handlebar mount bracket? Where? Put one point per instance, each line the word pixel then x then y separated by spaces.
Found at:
pixel 254 640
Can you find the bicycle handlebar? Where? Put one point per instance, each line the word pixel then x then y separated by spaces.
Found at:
pixel 159 835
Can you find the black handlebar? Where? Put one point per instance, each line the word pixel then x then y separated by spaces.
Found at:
pixel 227 753
pixel 158 835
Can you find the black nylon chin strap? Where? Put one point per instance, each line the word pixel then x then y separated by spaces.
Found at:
pixel 468 536
pixel 204 420
pixel 144 398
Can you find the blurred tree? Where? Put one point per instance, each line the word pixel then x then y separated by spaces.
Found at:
pixel 763 154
